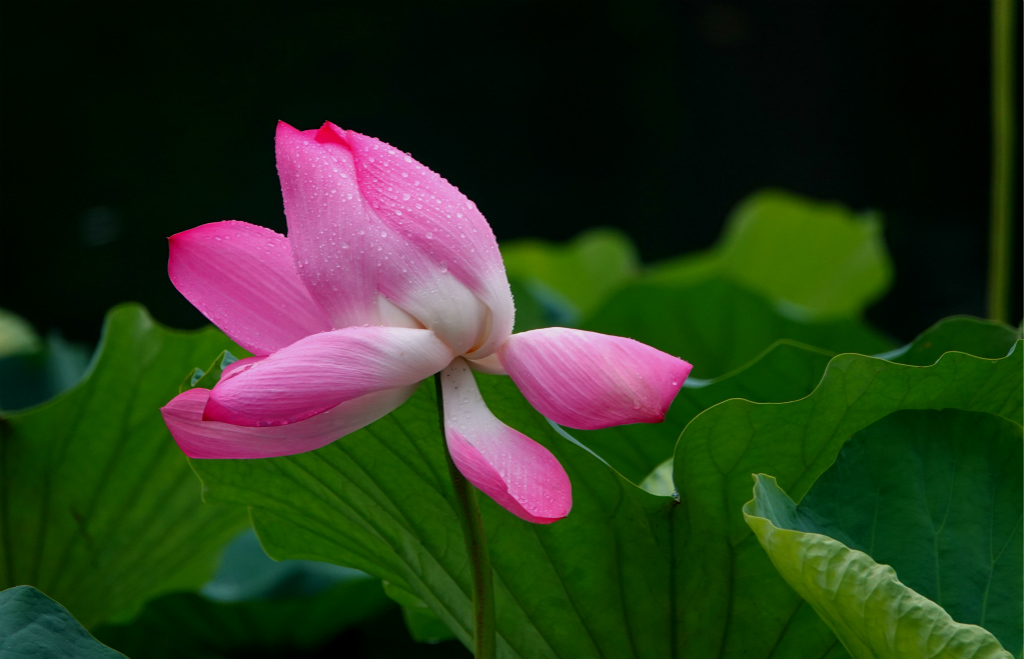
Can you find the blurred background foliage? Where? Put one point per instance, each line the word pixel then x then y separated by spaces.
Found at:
pixel 128 122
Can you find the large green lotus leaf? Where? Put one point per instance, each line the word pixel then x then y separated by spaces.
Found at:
pixel 785 372
pixel 627 573
pixel 796 442
pixel 975 336
pixel 819 259
pixel 864 602
pixel 937 495
pixel 719 326
pixel 98 507
pixel 575 277
pixel 33 626
pixel 17 336
pixel 380 500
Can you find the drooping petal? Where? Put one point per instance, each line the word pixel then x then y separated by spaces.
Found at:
pixel 217 440
pixel 506 465
pixel 241 276
pixel 316 373
pixel 440 222
pixel 588 380
pixel 333 234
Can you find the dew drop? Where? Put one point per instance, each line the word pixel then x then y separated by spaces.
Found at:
pixel 429 236
pixel 344 245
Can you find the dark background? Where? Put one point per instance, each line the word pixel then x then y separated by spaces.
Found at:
pixel 126 122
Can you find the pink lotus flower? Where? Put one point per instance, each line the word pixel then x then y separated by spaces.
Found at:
pixel 388 275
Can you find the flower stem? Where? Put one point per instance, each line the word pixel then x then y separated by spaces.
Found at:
pixel 1004 27
pixel 484 637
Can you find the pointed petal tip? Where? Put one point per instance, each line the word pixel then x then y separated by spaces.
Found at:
pixel 588 381
pixel 332 134
pixel 208 440
pixel 518 473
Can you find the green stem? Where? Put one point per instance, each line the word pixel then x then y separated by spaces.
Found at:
pixel 1003 140
pixel 484 637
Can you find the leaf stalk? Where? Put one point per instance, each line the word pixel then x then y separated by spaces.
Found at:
pixel 1003 140
pixel 484 634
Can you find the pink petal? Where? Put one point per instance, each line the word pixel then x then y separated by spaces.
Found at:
pixel 518 473
pixel 333 234
pixel 316 373
pixel 241 276
pixel 440 222
pixel 346 253
pixel 213 439
pixel 240 366
pixel 588 380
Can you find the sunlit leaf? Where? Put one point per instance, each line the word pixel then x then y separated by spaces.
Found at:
pixel 571 279
pixel 936 495
pixel 796 442
pixel 818 259
pixel 911 539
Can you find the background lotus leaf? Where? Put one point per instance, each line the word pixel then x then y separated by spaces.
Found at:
pixel 98 506
pixel 32 625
